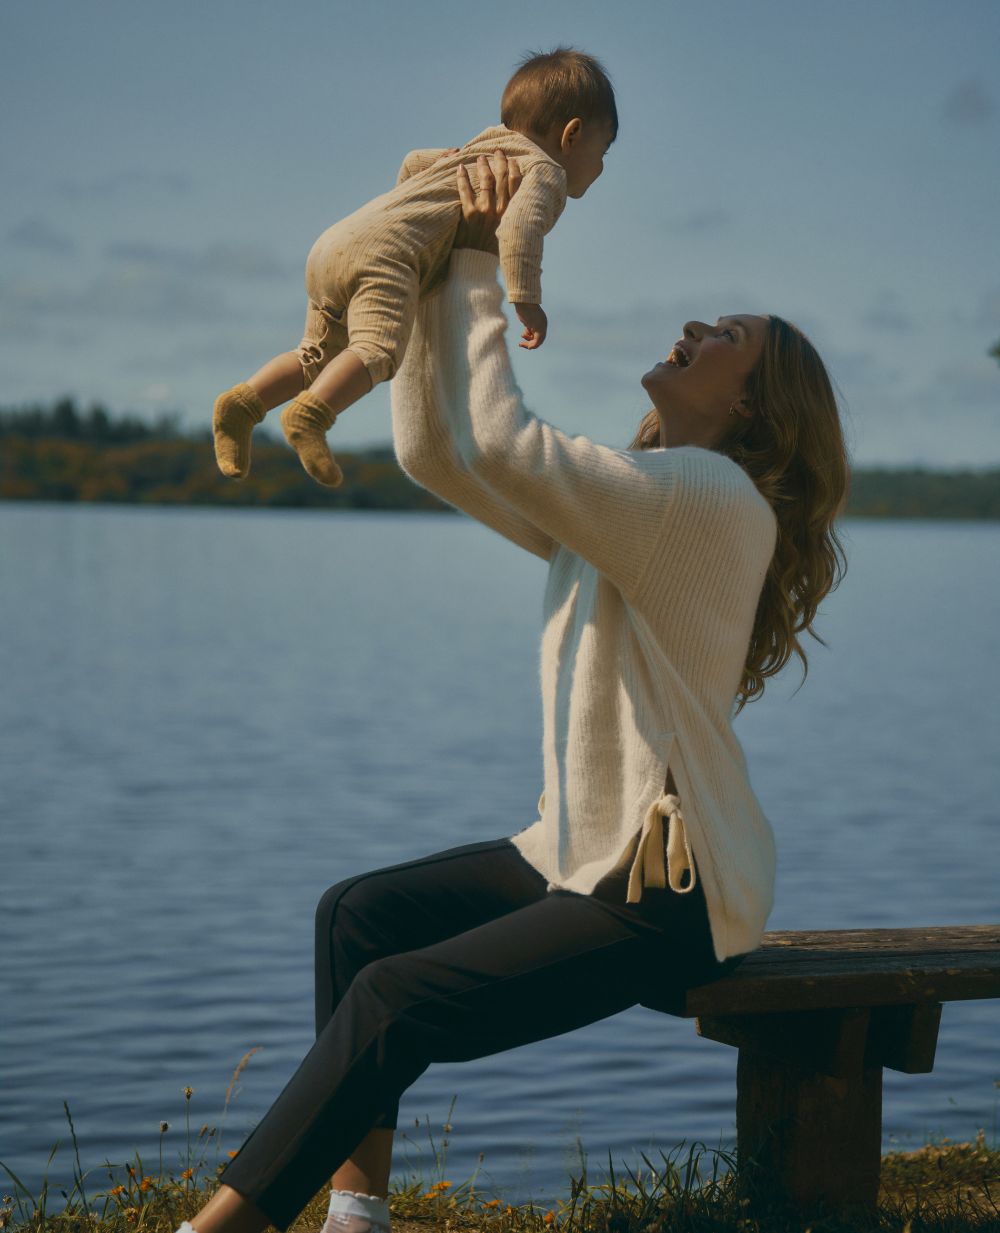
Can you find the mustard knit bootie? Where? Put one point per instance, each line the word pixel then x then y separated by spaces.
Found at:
pixel 305 423
pixel 236 413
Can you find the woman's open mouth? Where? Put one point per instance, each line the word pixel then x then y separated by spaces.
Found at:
pixel 678 357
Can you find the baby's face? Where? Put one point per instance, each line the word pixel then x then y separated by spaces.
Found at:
pixel 583 158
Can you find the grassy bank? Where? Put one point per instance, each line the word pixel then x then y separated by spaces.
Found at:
pixel 943 1187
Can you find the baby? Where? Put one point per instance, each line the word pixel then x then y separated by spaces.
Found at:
pixel 365 274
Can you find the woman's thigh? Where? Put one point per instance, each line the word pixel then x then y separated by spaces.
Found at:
pixel 412 904
pixel 561 962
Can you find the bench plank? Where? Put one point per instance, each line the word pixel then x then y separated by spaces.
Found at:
pixel 830 969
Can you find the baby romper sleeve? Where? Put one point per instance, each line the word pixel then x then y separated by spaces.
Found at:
pixel 531 215
pixel 416 162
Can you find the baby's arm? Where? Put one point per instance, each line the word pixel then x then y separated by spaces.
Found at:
pixel 417 161
pixel 532 213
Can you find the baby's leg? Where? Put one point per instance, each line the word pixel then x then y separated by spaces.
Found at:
pixel 341 382
pixel 379 321
pixel 279 380
pixel 239 410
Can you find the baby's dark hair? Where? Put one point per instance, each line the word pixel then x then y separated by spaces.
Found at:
pixel 552 87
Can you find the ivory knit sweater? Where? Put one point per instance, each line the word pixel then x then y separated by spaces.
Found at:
pixel 656 563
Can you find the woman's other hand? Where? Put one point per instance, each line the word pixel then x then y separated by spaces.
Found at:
pixel 482 210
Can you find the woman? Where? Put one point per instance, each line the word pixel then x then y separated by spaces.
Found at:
pixel 680 572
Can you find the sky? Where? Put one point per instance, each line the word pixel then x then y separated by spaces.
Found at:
pixel 166 168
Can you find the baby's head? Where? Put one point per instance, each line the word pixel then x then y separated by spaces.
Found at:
pixel 563 100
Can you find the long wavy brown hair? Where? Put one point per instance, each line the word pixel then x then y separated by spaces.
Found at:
pixel 792 447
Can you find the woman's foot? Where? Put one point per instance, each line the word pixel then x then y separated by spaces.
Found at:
pixel 351 1212
pixel 236 414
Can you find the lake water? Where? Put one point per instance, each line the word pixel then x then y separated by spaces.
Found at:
pixel 208 717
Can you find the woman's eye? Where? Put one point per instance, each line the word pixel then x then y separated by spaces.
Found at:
pixel 730 334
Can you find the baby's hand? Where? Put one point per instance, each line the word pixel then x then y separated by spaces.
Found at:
pixel 536 325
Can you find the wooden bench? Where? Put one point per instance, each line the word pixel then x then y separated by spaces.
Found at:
pixel 816 1016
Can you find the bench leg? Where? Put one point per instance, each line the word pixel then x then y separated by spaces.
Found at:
pixel 814 1138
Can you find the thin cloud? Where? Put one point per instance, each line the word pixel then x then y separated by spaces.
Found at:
pixel 42 237
pixel 969 103
pixel 175 183
pixel 969 382
pixel 886 316
pixel 989 306
pixel 701 220
pixel 128 295
pixel 217 260
pixel 856 367
pixel 643 330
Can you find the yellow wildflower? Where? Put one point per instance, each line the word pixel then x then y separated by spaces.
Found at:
pixel 232 1154
pixel 549 1217
pixel 188 1173
pixel 492 1203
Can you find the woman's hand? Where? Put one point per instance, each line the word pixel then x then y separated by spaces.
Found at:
pixel 482 211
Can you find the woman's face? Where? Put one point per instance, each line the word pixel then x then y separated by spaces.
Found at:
pixel 703 377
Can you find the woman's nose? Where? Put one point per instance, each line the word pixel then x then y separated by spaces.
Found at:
pixel 694 329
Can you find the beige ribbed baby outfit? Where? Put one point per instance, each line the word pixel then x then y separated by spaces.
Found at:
pixel 365 274
pixel 656 560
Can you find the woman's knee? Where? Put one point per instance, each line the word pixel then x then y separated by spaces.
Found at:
pixel 351 907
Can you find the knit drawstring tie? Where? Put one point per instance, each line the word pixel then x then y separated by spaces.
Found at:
pixel 647 867
pixel 312 353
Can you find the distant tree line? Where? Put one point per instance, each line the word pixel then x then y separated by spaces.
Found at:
pixel 916 492
pixel 67 422
pixel 64 453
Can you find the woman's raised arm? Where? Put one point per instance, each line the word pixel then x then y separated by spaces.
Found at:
pixel 607 505
pixel 422 433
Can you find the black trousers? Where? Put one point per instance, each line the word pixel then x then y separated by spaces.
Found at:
pixel 452 957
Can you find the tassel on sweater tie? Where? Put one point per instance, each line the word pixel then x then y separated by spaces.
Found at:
pixel 648 865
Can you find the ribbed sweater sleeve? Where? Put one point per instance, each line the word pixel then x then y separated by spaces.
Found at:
pixel 607 505
pixel 424 410
pixel 531 215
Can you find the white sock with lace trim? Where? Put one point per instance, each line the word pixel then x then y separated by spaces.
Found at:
pixel 352 1212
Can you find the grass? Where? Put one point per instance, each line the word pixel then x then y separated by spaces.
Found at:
pixel 943 1187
